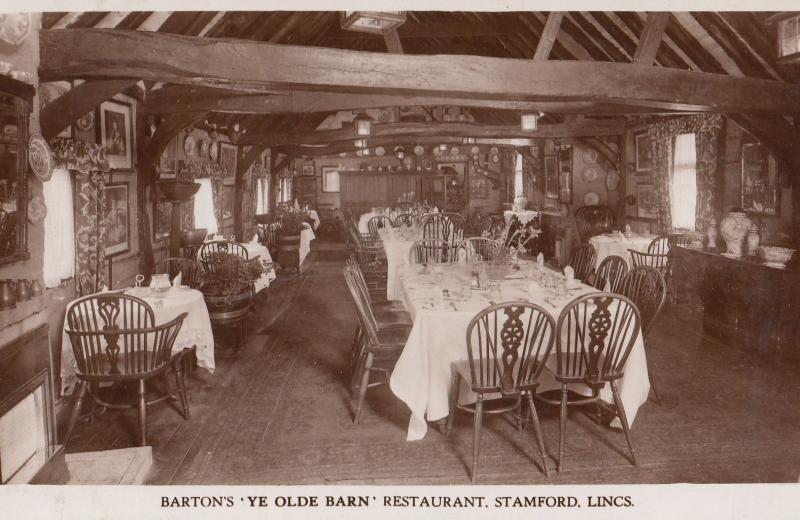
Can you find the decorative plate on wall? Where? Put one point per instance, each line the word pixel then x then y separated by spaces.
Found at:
pixel 380 151
pixel 454 150
pixel 40 157
pixel 590 174
pixel 495 158
pixel 85 123
pixel 419 151
pixel 189 146
pixel 612 180
pixel 591 198
pixel 475 150
pixel 589 155
pixel 213 150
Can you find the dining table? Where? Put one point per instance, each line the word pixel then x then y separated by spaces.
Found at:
pixel 397 243
pixel 618 243
pixel 422 375
pixel 167 305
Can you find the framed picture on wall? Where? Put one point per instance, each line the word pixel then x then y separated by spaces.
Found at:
pixel 227 159
pixel 308 168
pixel 760 187
pixel 644 159
pixel 116 213
pixel 169 158
pixel 116 133
pixel 646 200
pixel 330 179
pixel 162 217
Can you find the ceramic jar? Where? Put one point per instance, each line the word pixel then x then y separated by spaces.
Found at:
pixel 753 240
pixel 23 291
pixel 734 228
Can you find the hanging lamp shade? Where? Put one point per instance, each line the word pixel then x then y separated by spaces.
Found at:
pixel 375 22
pixel 363 124
pixel 529 121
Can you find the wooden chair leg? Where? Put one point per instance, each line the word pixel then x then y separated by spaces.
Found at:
pixel 76 410
pixel 455 385
pixel 623 418
pixel 562 427
pixel 362 390
pixel 180 381
pixel 142 414
pixel 537 430
pixel 476 436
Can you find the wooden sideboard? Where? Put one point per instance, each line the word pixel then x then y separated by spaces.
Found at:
pixel 745 304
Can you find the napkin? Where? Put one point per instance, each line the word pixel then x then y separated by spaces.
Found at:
pixel 569 273
pixel 176 282
pixel 104 289
pixel 296 204
pixel 540 260
pixel 255 239
pixel 628 231
pixel 622 236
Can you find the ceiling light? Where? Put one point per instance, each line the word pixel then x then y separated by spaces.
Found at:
pixel 363 124
pixel 376 22
pixel 529 121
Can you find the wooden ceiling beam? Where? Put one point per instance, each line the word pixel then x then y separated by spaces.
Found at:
pixel 549 34
pixel 77 102
pixel 393 43
pixel 691 47
pixel 665 55
pixel 651 37
pixel 592 32
pixel 93 53
pixel 167 130
pixel 731 45
pixel 586 127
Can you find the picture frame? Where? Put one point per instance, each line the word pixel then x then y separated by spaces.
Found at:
pixel 227 158
pixel 167 163
pixel 116 214
pixel 644 158
pixel 229 203
pixel 330 179
pixel 308 169
pixel 646 202
pixel 162 217
pixel 116 133
pixel 761 189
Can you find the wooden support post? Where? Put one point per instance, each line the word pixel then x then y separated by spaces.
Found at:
pixel 393 43
pixel 78 101
pixel 145 184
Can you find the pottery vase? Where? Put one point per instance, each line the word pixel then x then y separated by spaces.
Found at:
pixel 753 240
pixel 712 233
pixel 23 291
pixel 8 295
pixel 734 228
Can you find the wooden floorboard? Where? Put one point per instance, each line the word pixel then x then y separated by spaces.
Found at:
pixel 279 413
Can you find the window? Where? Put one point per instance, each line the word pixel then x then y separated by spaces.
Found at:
pixel 204 207
pixel 285 189
pixel 262 195
pixel 59 229
pixel 330 179
pixel 683 196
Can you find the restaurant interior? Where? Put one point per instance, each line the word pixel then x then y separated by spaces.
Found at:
pixel 399 247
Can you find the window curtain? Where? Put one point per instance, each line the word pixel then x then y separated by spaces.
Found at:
pixel 58 263
pixel 708 129
pixel 89 160
pixel 194 170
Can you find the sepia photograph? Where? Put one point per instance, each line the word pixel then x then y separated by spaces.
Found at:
pixel 479 259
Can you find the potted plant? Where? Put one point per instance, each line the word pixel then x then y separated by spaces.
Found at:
pixel 228 284
pixel 292 221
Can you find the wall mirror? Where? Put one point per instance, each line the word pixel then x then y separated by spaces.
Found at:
pixel 15 106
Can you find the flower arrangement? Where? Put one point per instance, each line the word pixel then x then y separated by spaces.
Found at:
pixel 291 219
pixel 229 275
pixel 513 243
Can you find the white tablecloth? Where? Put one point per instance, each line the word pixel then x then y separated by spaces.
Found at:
pixel 306 236
pixel 422 376
pixel 314 216
pixel 397 243
pixel 196 329
pixel 607 245
pixel 261 251
pixel 523 216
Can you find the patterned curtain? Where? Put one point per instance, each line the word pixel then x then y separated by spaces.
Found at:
pixel 90 232
pixel 708 131
pixel 89 161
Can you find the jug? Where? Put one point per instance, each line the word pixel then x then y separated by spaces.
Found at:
pixel 8 297
pixel 23 290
